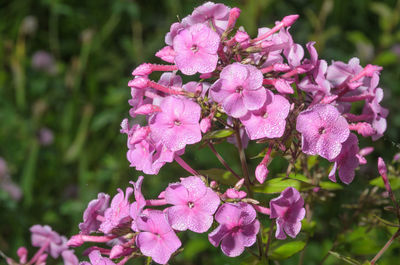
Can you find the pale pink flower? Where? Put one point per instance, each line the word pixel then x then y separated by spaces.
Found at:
pixel 156 239
pixel 323 131
pixel 196 49
pixel 43 236
pixel 288 209
pixel 194 205
pixel 238 228
pixel 177 124
pixel 270 120
pixel 69 257
pixel 239 89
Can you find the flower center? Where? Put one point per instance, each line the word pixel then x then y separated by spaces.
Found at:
pixel 235 229
pixel 321 130
pixel 194 48
pixel 265 115
pixel 177 122
pixel 239 89
pixel 191 205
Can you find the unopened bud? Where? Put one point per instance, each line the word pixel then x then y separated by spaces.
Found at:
pixel 143 69
pixel 289 20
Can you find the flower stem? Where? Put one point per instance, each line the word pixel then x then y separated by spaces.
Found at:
pixel 385 247
pixel 221 159
pixel 242 156
pixel 185 166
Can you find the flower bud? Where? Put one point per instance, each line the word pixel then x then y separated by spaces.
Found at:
pixel 75 241
pixel 261 172
pixel 143 69
pixel 205 124
pixel 22 253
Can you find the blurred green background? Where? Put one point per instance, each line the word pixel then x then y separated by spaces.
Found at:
pixel 64 68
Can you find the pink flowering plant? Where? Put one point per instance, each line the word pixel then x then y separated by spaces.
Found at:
pixel 265 90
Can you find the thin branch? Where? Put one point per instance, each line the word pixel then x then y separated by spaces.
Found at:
pixel 221 159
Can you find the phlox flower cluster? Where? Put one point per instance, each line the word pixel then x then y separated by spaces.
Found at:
pixel 133 226
pixel 263 90
pixel 50 243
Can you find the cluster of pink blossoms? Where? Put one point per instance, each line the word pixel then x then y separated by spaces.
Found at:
pixel 260 89
pixel 50 243
pixel 251 88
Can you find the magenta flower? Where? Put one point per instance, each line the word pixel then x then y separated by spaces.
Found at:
pixel 239 89
pixel 177 124
pixel 118 212
pixel 323 131
pixel 45 237
pixel 347 161
pixel 95 208
pixel 270 120
pixel 289 211
pixel 156 239
pixel 196 49
pixel 194 205
pixel 238 228
pixel 96 259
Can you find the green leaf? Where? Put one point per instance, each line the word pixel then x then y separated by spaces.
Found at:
pixel 220 175
pixel 287 250
pixel 329 185
pixel 218 134
pixel 277 185
pixel 348 260
pixel 394 182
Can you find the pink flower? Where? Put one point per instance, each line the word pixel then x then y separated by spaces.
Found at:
pixel 196 49
pixel 139 203
pixel 270 120
pixel 44 236
pixel 156 239
pixel 323 131
pixel 238 228
pixel 118 212
pixel 194 205
pixel 96 259
pixel 69 257
pixel 347 161
pixel 239 89
pixel 216 14
pixel 177 124
pixel 95 208
pixel 289 211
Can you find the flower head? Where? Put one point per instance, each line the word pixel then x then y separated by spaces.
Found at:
pixel 289 211
pixel 43 236
pixel 323 131
pixel 347 161
pixel 177 124
pixel 196 49
pixel 239 89
pixel 238 228
pixel 194 205
pixel 156 239
pixel 270 120
pixel 95 208
pixel 118 212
